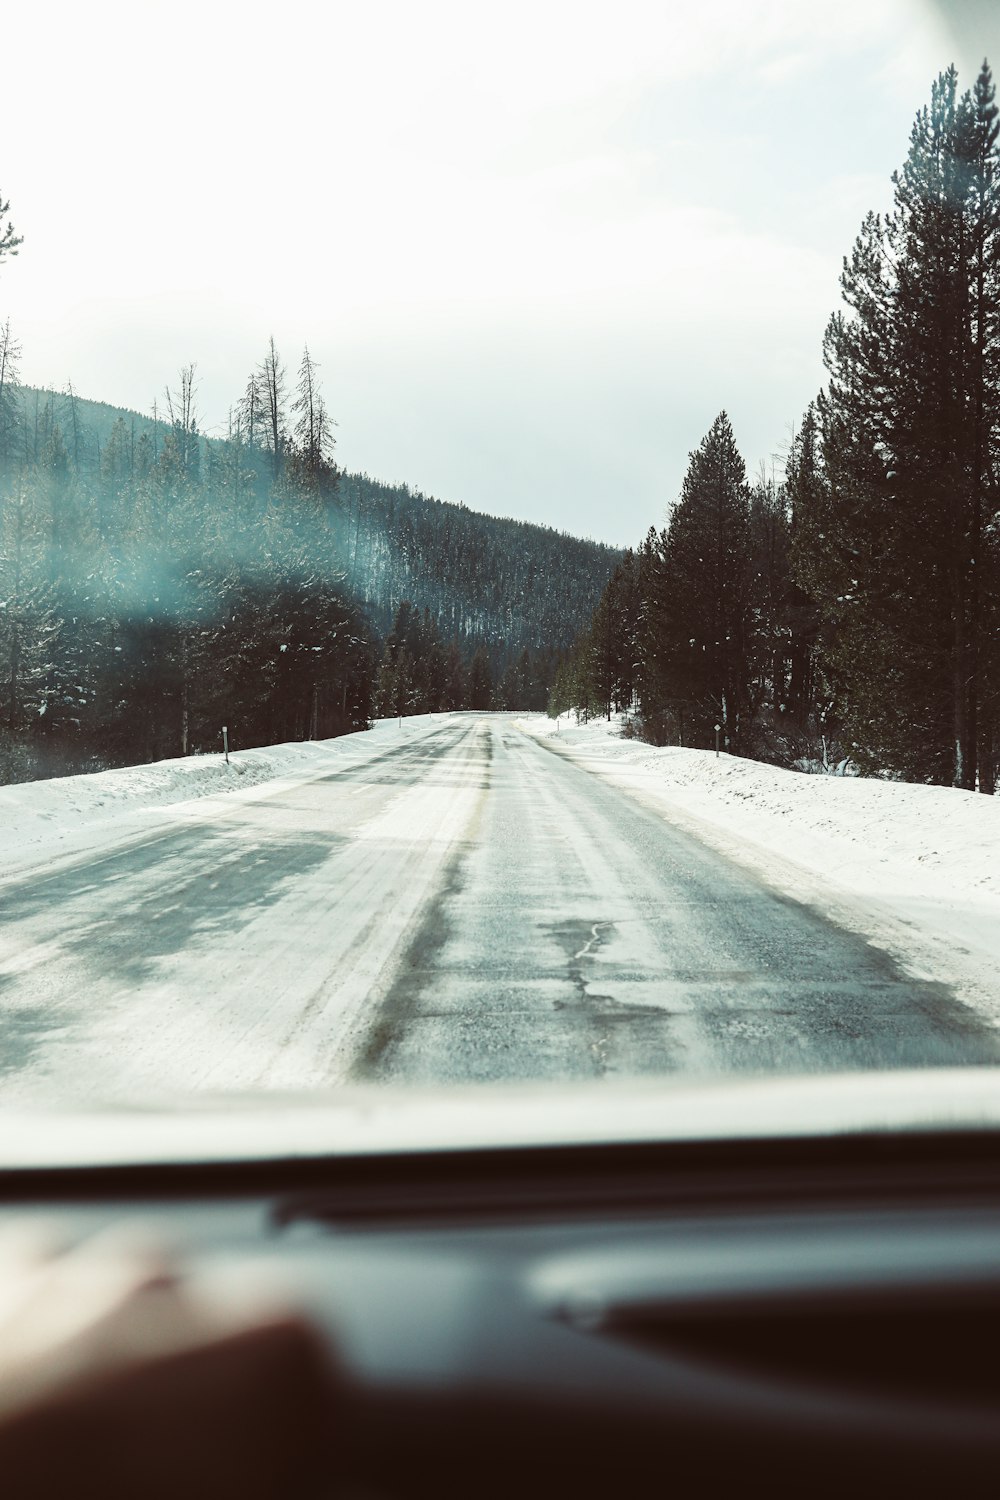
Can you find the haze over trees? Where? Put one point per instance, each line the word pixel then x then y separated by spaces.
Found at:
pixel 154 589
pixel 854 606
pixel 156 584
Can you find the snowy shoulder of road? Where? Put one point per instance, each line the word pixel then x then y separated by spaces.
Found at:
pixel 917 868
pixel 67 816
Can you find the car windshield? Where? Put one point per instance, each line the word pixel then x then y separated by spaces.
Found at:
pixel 499 546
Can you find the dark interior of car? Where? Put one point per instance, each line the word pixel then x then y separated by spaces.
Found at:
pixel 802 1316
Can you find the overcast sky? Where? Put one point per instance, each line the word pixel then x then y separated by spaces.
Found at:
pixel 534 247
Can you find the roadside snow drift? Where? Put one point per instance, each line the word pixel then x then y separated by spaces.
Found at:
pixel 922 862
pixel 70 815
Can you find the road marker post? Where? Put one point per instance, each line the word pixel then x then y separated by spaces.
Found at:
pixel 717 728
pixel 225 742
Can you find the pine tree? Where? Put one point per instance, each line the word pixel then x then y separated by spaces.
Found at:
pixel 11 442
pixel 769 634
pixel 313 430
pixel 72 423
pixel 184 422
pixel 697 619
pixel 807 502
pixel 29 630
pixel 984 704
pixel 9 239
pixel 910 431
pixel 273 400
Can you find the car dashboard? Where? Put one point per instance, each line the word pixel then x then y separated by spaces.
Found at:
pixel 816 1315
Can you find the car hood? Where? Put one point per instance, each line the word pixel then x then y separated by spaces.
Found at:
pixel 374 1122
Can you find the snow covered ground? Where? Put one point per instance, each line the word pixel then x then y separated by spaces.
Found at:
pixel 916 869
pixel 66 816
pixel 445 900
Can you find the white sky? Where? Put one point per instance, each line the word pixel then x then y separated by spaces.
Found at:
pixel 535 247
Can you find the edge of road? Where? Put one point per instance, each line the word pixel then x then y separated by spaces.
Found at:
pixel 929 940
pixel 39 838
pixel 923 942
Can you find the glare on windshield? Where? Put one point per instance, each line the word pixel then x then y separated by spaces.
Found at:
pixel 499 551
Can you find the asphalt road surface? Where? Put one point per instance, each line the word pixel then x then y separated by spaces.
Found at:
pixel 468 904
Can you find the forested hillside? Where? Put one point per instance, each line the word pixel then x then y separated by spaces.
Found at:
pixel 853 608
pixel 156 584
pixel 506 584
pixel 489 581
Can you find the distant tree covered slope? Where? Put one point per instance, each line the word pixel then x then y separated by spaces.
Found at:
pixel 86 426
pixel 488 581
pixel 156 584
pixel 505 584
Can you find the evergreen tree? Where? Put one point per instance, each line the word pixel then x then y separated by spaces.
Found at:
pixel 29 623
pixel 806 500
pixel 11 441
pixel 9 239
pixel 313 430
pixel 910 430
pixel 698 616
pixel 73 424
pixel 184 422
pixel 273 400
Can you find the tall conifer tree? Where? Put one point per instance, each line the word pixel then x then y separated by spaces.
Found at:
pixel 910 440
pixel 698 616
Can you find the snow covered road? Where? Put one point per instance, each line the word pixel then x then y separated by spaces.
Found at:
pixel 447 901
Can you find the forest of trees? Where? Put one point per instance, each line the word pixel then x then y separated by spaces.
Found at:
pixel 156 584
pixel 420 673
pixel 154 588
pixel 852 608
pixel 489 582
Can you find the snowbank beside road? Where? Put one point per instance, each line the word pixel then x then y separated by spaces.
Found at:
pixel 851 829
pixel 70 815
pixel 922 861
